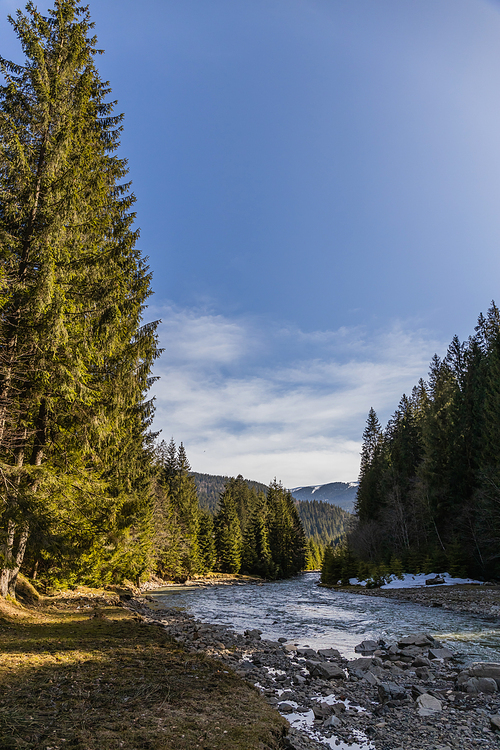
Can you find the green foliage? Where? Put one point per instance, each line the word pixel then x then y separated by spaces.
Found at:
pixel 287 540
pixel 75 356
pixel 228 538
pixel 178 518
pixel 315 551
pixel 210 487
pixel 429 484
pixel 328 523
pixel 206 542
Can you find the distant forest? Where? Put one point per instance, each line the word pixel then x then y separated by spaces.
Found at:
pixel 429 492
pixel 322 521
pixel 210 487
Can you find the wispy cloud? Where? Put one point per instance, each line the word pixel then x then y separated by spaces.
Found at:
pixel 279 402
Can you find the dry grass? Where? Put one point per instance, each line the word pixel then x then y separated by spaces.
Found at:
pixel 82 672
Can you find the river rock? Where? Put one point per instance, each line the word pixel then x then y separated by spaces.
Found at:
pixel 390 691
pixel 370 678
pixel 481 685
pixel 434 581
pixel 495 722
pixel 485 669
pixel 325 670
pixel 363 664
pixel 307 652
pixel 366 647
pixel 417 639
pixel 333 721
pixel 421 661
pixel 440 653
pixel 422 673
pixel 330 653
pixel 428 705
pixel 321 710
pixel 254 634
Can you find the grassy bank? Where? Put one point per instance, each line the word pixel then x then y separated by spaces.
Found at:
pixel 79 671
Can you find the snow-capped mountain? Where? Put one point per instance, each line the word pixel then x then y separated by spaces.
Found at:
pixel 342 494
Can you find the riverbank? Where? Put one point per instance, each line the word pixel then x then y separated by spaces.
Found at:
pixel 79 670
pixel 408 693
pixel 482 600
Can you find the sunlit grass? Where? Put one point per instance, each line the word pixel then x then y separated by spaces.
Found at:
pixel 71 679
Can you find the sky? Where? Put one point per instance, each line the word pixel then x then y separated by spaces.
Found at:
pixel 318 193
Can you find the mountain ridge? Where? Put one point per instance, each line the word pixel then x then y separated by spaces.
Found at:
pixel 342 494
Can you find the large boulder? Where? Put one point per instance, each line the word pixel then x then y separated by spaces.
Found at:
pixel 390 691
pixel 366 647
pixel 330 653
pixel 363 663
pixel 325 670
pixel 440 653
pixel 417 639
pixel 427 705
pixel 485 669
pixel 476 671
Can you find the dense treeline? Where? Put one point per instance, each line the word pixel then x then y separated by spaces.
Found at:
pixel 251 531
pixel 324 524
pixel 210 486
pixel 85 496
pixel 429 492
pixel 75 356
pixel 323 521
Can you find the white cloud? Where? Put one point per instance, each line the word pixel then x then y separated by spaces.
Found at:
pixel 297 415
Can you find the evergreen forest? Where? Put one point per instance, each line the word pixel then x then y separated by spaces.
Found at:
pixel 86 493
pixel 210 486
pixel 429 491
pixel 251 531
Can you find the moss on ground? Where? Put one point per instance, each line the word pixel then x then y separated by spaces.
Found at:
pixel 79 671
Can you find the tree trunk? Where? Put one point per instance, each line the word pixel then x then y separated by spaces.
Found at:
pixel 12 558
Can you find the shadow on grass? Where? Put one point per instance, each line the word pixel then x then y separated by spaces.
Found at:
pixel 72 681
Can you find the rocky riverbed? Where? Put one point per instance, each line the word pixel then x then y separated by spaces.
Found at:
pixel 483 600
pixel 407 694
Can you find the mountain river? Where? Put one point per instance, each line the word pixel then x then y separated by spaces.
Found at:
pixel 305 614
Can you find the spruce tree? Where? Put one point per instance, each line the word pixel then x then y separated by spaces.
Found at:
pixel 256 555
pixel 287 540
pixel 369 499
pixel 228 539
pixel 183 496
pixel 74 356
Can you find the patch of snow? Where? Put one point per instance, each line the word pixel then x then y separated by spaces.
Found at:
pixel 353 484
pixel 304 722
pixel 316 488
pixel 414 581
pixel 417 580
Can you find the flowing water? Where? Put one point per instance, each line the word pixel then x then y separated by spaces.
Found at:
pixel 297 609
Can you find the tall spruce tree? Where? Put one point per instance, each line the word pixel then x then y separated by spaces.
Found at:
pixel 228 539
pixel 256 555
pixel 287 540
pixel 184 507
pixel 369 499
pixel 74 359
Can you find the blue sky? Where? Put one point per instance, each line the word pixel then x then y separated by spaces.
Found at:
pixel 318 187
